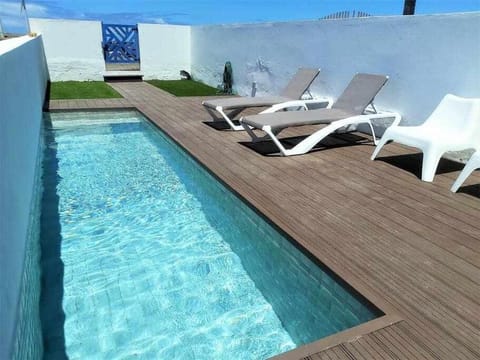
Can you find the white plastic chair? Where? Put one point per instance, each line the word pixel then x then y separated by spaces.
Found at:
pixel 472 164
pixel 453 126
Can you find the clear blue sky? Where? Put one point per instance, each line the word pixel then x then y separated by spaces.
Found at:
pixel 211 11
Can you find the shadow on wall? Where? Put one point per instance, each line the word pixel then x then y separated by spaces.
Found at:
pixel 261 74
pixel 52 315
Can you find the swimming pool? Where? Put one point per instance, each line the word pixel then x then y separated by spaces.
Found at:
pixel 145 254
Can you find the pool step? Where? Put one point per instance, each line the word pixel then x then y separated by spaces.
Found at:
pixel 115 76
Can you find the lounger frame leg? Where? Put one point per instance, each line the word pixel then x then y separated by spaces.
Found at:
pixel 255 138
pixel 269 131
pixel 307 144
pixel 227 117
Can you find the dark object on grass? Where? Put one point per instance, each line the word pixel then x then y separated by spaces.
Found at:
pixel 227 78
pixel 185 75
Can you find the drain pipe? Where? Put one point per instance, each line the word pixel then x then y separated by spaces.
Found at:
pixel 254 88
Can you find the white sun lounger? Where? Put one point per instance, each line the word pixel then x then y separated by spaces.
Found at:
pixel 297 86
pixel 347 110
pixel 453 126
pixel 470 166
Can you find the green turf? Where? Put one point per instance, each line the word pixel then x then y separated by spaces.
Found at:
pixel 184 87
pixel 82 90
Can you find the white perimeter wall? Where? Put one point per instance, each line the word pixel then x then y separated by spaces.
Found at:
pixel 425 56
pixel 74 49
pixel 23 79
pixel 164 50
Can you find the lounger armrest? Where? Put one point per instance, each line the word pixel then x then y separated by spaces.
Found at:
pixel 319 103
pixel 397 120
pixel 303 104
pixel 388 114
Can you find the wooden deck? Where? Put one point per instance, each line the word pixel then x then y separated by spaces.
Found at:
pixel 412 248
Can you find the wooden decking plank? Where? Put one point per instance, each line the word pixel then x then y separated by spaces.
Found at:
pixel 411 197
pixel 356 351
pixel 390 344
pixel 392 337
pixel 335 195
pixel 413 185
pixel 384 343
pixel 396 173
pixel 384 352
pixel 439 187
pixel 338 353
pixel 363 347
pixel 394 221
pixel 440 302
pixel 415 335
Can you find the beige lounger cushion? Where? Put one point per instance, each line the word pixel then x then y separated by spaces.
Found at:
pixel 299 83
pixel 294 90
pixel 244 102
pixel 360 92
pixel 280 120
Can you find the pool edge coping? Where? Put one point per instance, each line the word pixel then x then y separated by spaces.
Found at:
pixel 345 336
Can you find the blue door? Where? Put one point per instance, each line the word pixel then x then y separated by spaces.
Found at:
pixel 120 44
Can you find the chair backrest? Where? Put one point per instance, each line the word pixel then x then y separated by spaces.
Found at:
pixel 360 92
pixel 457 115
pixel 300 83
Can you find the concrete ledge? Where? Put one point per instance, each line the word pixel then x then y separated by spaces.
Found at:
pixel 122 76
pixel 8 44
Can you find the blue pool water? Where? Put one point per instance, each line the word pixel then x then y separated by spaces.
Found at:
pixel 146 255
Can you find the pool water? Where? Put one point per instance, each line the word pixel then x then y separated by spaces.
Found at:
pixel 146 255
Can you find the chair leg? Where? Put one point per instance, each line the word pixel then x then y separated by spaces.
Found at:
pixel 381 143
pixel 467 170
pixel 431 157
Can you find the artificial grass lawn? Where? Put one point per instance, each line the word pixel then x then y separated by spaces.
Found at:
pixel 62 90
pixel 184 87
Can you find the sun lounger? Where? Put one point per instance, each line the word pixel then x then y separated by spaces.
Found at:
pixel 297 86
pixel 453 126
pixel 350 108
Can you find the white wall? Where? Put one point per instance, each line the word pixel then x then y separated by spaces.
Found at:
pixel 74 49
pixel 164 50
pixel 425 56
pixel 23 79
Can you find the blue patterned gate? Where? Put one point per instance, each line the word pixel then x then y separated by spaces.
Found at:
pixel 120 43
